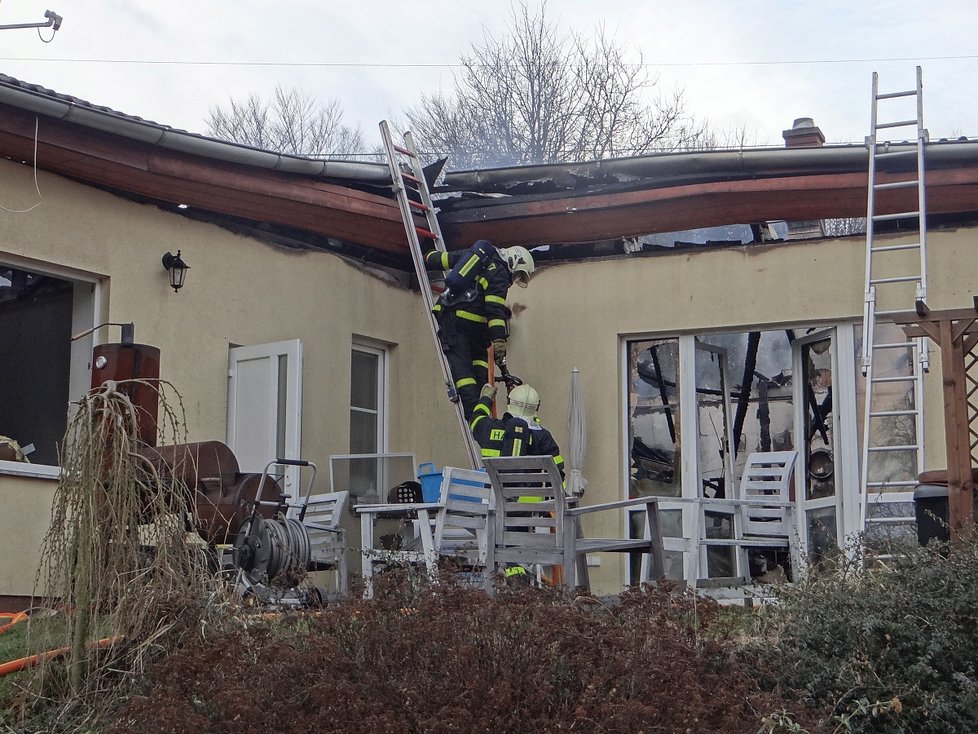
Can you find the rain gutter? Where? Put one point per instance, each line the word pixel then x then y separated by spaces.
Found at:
pixel 703 165
pixel 49 104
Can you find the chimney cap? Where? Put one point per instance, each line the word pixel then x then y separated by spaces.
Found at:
pixel 803 134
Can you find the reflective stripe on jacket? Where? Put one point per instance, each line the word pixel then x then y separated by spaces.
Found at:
pixel 489 307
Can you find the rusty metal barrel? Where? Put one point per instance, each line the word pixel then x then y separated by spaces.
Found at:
pixel 223 496
pixel 121 362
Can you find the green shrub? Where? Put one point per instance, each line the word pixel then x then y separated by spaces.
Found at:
pixel 891 650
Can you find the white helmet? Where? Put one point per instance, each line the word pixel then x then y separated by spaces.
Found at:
pixel 520 263
pixel 524 402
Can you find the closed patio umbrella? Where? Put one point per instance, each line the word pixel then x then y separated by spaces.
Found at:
pixel 576 437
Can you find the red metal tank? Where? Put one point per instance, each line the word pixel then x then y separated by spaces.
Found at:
pixel 132 362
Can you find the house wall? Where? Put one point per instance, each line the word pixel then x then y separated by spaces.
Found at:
pixel 239 291
pixel 575 315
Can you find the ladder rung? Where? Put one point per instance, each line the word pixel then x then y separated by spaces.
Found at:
pixel 418 205
pixel 410 177
pixel 908 447
pixel 902 378
pixel 894 483
pixel 890 520
pixel 890 312
pixel 892 413
pixel 894 153
pixel 896 279
pixel 893 345
pixel 893 248
pixel 426 233
pixel 897 184
pixel 898 215
pixel 894 95
pixel 896 123
pixel 404 151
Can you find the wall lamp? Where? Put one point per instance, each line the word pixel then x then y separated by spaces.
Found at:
pixel 176 268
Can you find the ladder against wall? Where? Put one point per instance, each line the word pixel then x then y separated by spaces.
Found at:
pixel 414 201
pixel 896 282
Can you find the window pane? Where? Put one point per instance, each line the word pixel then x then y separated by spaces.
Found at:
pixel 363 380
pixel 35 360
pixel 363 432
pixel 653 411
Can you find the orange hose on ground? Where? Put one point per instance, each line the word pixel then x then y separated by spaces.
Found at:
pixel 15 618
pixel 31 660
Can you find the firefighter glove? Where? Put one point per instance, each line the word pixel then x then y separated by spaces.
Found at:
pixel 499 350
pixel 488 391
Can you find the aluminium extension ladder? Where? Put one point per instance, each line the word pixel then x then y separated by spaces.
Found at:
pixel 407 177
pixel 892 453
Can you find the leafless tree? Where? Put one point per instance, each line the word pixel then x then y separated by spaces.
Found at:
pixel 292 122
pixel 540 96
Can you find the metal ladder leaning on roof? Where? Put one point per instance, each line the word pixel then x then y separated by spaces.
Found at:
pixel 407 177
pixel 892 453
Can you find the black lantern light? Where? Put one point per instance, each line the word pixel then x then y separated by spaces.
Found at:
pixel 177 269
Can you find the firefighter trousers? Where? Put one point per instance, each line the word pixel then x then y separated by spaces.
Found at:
pixel 467 353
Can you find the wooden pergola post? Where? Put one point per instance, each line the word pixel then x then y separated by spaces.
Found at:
pixel 956 333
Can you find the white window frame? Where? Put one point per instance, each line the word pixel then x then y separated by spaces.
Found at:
pixel 383 389
pixel 86 312
pixel 847 464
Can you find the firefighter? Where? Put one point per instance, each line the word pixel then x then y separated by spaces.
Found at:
pixel 506 436
pixel 519 432
pixel 523 402
pixel 472 313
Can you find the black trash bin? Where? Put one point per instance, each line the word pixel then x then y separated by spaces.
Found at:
pixel 930 508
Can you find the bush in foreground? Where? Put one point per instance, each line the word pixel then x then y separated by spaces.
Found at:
pixel 889 651
pixel 449 659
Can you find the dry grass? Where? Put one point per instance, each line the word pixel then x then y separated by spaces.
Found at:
pixel 144 590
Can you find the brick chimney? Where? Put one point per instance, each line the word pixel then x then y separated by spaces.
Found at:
pixel 803 134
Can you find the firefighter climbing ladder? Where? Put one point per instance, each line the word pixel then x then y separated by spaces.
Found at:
pixel 408 178
pixel 893 417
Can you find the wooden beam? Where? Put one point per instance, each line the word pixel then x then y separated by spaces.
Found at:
pixel 590 217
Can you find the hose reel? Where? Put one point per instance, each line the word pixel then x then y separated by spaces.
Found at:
pixel 275 552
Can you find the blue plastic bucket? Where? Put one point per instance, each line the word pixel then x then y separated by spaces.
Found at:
pixel 430 480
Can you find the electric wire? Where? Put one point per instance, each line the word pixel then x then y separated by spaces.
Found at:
pixel 457 65
pixel 37 188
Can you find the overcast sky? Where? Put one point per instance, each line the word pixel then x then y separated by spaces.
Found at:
pixel 757 64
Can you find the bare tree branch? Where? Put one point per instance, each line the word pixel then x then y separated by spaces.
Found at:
pixel 540 96
pixel 292 122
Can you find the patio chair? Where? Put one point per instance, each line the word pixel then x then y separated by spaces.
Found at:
pixel 543 530
pixel 321 514
pixel 762 511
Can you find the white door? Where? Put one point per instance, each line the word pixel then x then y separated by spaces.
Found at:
pixel 820 481
pixel 715 458
pixel 265 406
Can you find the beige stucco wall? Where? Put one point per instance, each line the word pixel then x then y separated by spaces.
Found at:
pixel 239 291
pixel 26 514
pixel 575 315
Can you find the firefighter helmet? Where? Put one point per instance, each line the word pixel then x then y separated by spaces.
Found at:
pixel 524 402
pixel 520 263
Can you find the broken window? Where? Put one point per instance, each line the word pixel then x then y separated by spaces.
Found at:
pixel 653 439
pixel 41 369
